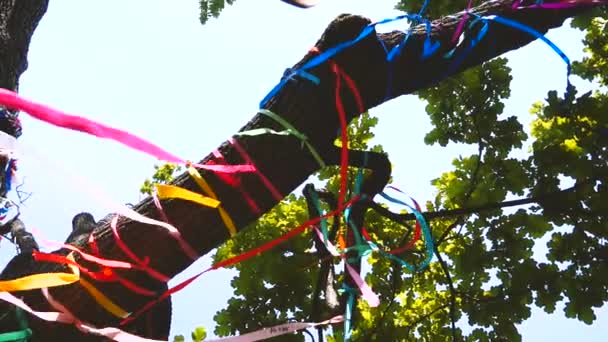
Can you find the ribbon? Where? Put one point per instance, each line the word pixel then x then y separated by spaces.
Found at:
pixel 513 24
pixel 532 32
pixel 188 250
pixel 429 48
pixel 67 318
pixel 21 335
pixel 341 74
pixel 236 259
pixel 143 265
pixel 202 183
pixel 88 257
pixel 106 275
pixel 103 301
pixel 428 239
pixel 417 230
pixel 46 280
pixel 275 193
pixel 118 208
pixel 61 317
pixel 366 292
pixel 329 53
pixel 462 22
pixel 323 222
pixel 55 117
pixel 348 312
pixel 558 5
pixel 276 330
pixel 126 283
pixel 38 281
pixel 166 191
pixel 77 123
pixel 235 181
pixel 289 130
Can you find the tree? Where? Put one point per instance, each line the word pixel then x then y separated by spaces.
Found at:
pixel 485 270
pixel 365 63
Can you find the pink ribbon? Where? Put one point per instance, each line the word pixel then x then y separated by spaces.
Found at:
pixel 462 22
pixel 275 193
pixel 277 330
pixel 67 318
pixel 77 123
pixel 558 5
pixel 58 118
pixel 139 262
pixel 366 292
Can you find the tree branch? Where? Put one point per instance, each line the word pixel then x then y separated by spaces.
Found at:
pixel 446 271
pixel 431 215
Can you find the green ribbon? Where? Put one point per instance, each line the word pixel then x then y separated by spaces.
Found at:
pixel 289 130
pixel 21 335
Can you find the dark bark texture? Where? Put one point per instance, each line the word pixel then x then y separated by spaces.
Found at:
pixel 310 108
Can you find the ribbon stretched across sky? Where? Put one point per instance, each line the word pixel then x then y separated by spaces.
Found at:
pixel 302 3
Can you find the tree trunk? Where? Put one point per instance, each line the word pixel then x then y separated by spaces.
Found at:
pixel 310 108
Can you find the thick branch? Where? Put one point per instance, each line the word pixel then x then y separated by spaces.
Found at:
pixel 18 20
pixel 476 210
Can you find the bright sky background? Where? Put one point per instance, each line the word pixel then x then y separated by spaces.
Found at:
pixel 149 67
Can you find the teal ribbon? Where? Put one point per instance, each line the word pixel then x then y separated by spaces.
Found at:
pixel 324 230
pixel 348 312
pixel 426 231
pixel 358 182
pixel 289 130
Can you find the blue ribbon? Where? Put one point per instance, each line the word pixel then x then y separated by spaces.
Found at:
pixel 472 43
pixel 329 53
pixel 532 32
pixel 429 47
pixel 8 175
pixel 424 6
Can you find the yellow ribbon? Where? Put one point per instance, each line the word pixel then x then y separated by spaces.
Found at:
pixel 42 280
pixel 202 183
pixel 104 301
pixel 38 281
pixel 165 191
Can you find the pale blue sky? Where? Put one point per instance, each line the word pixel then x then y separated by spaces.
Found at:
pixel 150 67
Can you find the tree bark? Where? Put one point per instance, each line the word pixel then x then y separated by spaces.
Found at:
pixel 310 108
pixel 18 20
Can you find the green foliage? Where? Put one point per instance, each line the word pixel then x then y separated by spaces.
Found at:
pixel 595 65
pixel 435 9
pixel 212 8
pixel 199 334
pixel 163 174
